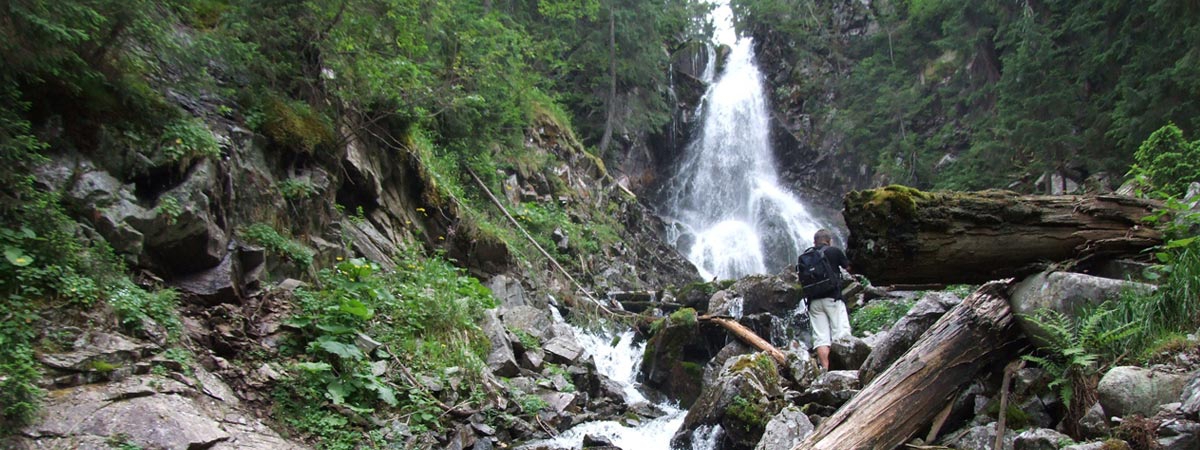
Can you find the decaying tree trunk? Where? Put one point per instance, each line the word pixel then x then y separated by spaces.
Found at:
pixel 748 336
pixel 902 235
pixel 903 399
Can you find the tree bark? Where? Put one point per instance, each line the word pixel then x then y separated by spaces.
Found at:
pixel 606 139
pixel 906 397
pixel 902 235
pixel 748 336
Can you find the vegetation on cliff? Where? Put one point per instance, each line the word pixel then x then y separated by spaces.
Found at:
pixel 974 95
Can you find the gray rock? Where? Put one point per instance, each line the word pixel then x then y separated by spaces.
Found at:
pixel 848 352
pixel 1130 390
pixel 1094 424
pixel 97 351
pixel 1064 292
pixel 501 359
pixel 1111 444
pixel 981 437
pixel 508 291
pixel 1179 435
pixel 562 351
pixel 786 430
pixel 1039 439
pixel 528 319
pixel 906 331
pixel 1039 415
pixel 1191 398
pixel 152 412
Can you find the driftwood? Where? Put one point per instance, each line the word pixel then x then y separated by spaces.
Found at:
pixel 902 235
pixel 903 399
pixel 748 336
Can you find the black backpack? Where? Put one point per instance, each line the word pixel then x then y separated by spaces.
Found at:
pixel 818 278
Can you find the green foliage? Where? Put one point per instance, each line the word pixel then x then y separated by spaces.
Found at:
pixel 296 189
pixel 262 234
pixel 878 315
pixel 188 138
pixel 748 413
pixel 425 314
pixel 169 207
pixel 684 316
pixel 295 125
pixel 1076 350
pixel 135 306
pixel 958 78
pixel 1167 162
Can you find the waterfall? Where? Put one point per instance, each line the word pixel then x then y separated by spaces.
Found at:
pixel 729 213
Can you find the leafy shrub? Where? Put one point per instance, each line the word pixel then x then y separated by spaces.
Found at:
pixel 188 138
pixel 262 234
pixel 878 315
pixel 424 314
pixel 296 189
pixel 295 125
pixel 1167 162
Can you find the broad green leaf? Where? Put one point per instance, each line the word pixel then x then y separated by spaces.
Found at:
pixel 314 367
pixel 17 257
pixel 338 391
pixel 335 329
pixel 1178 243
pixel 357 309
pixel 344 351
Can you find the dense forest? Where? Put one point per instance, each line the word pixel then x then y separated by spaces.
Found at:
pixel 529 98
pixel 971 95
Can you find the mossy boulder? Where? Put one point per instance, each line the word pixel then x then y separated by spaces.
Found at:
pixel 742 401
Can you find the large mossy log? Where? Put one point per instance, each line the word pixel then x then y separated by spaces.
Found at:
pixel 906 397
pixel 903 235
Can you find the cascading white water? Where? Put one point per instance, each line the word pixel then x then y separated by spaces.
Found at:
pixel 731 216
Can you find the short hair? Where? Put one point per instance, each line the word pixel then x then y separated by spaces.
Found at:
pixel 823 236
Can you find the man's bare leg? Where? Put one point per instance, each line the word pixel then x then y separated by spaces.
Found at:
pixel 823 356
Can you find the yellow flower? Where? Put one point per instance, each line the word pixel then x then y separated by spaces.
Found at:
pixel 420 209
pixel 339 258
pixel 441 238
pixel 178 141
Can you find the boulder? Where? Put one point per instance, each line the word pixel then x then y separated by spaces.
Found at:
pixel 1111 444
pixel 1094 424
pixel 1039 439
pixel 535 322
pixel 742 401
pixel 1065 292
pixel 675 361
pixel 1190 398
pixel 848 352
pixel 786 430
pixel 906 331
pixel 1128 390
pixel 767 294
pixel 981 437
pixel 508 291
pixel 149 412
pixel 562 350
pixel 1179 435
pixel 501 359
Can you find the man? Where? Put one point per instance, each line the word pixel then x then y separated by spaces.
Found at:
pixel 829 319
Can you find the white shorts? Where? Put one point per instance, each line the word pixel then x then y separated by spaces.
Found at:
pixel 829 321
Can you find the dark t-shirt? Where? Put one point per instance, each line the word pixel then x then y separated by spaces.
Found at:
pixel 837 258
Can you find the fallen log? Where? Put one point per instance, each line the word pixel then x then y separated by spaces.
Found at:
pixel 907 396
pixel 903 235
pixel 748 336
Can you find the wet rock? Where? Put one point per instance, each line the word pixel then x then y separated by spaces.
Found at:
pixel 786 430
pixel 1128 390
pixel 598 443
pixel 675 361
pixel 1064 292
pixel 906 331
pixel 508 291
pixel 832 389
pixel 1039 439
pixel 535 322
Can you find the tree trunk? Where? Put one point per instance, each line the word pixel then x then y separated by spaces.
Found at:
pixel 905 398
pixel 748 336
pixel 902 235
pixel 606 139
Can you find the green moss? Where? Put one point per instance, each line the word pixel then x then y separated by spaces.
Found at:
pixel 692 369
pixel 748 412
pixel 295 125
pixel 103 366
pixel 684 316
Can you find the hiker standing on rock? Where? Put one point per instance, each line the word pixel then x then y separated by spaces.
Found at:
pixel 820 275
